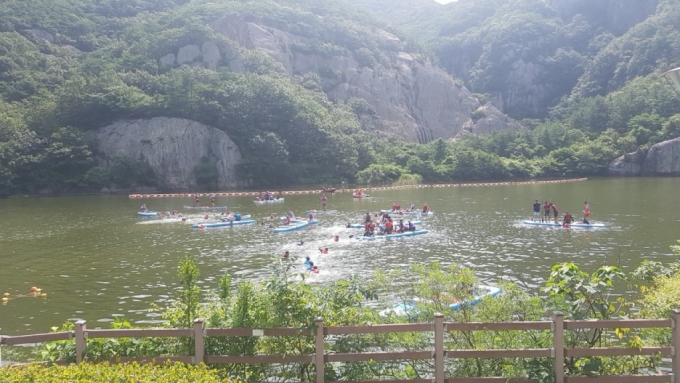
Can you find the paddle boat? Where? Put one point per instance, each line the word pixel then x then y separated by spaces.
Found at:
pixel 409 308
pixel 392 236
pixel 147 214
pixel 205 207
pixel 321 211
pixel 558 224
pixel 328 190
pixel 213 225
pixel 297 226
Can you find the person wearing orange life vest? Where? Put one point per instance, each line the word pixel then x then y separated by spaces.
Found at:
pixel 546 211
pixel 568 219
pixel 586 213
pixel 425 208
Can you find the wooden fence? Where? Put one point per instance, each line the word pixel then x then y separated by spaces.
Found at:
pixel 557 353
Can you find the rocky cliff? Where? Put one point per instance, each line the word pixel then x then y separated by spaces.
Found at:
pixel 411 98
pixel 662 159
pixel 172 147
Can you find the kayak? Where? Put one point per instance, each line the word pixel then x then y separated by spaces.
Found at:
pixel 361 225
pixel 402 212
pixel 147 214
pixel 393 236
pixel 222 224
pixel 205 207
pixel 553 224
pixel 321 211
pixel 284 229
pixel 409 308
pixel 269 201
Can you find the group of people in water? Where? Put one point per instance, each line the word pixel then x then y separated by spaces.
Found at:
pixel 385 225
pixel 197 200
pixel 267 196
pixel 396 208
pixel 551 208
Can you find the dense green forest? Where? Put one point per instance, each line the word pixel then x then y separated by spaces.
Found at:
pixel 69 67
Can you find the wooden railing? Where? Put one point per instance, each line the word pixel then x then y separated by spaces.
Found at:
pixel 439 328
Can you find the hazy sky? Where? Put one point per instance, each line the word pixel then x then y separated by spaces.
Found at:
pixel 445 1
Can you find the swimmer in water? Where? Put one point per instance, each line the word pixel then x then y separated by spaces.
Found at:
pixel 286 254
pixel 337 238
pixel 323 251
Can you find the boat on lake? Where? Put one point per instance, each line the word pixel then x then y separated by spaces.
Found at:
pixel 409 308
pixel 392 236
pixel 213 225
pixel 147 214
pixel 265 201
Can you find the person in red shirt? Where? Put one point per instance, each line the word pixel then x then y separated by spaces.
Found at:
pixel 389 226
pixel 555 212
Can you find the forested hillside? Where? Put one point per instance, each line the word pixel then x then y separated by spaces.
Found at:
pixel 319 91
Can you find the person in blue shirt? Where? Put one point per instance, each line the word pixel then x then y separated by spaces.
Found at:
pixel 311 216
pixel 237 216
pixel 368 218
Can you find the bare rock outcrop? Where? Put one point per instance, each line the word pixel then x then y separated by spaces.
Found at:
pixel 662 159
pixel 413 99
pixel 172 147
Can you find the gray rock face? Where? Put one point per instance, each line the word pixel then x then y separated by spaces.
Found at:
pixel 662 159
pixel 188 54
pixel 172 147
pixel 211 54
pixel 414 100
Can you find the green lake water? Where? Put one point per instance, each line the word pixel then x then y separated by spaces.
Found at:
pixel 97 260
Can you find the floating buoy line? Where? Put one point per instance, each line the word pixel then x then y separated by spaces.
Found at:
pixel 289 192
pixel 34 293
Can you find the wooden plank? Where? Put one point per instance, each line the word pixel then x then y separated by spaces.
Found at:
pixel 256 359
pixel 495 379
pixel 618 379
pixel 140 333
pixel 381 328
pixel 280 331
pixel 500 353
pixel 675 342
pixel 360 357
pixel 605 351
pixel 383 381
pixel 439 352
pixel 473 326
pixel 558 346
pixel 149 359
pixel 229 332
pixel 617 323
pixel 35 338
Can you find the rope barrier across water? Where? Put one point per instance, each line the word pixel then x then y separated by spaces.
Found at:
pixel 236 194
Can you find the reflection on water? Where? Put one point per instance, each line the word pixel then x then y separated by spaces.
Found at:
pixel 97 260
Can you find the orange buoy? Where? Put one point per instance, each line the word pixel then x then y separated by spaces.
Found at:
pixel 33 289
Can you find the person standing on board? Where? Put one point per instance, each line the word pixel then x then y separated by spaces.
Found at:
pixel 212 199
pixel 537 210
pixel 586 213
pixel 324 199
pixel 555 212
pixel 310 216
pixel 546 211
pixel 426 208
pixel 196 200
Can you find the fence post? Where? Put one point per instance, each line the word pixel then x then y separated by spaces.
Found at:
pixel 81 342
pixel 675 345
pixel 319 353
pixel 439 348
pixel 558 346
pixel 199 344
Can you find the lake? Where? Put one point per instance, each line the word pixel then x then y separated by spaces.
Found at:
pixel 97 260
